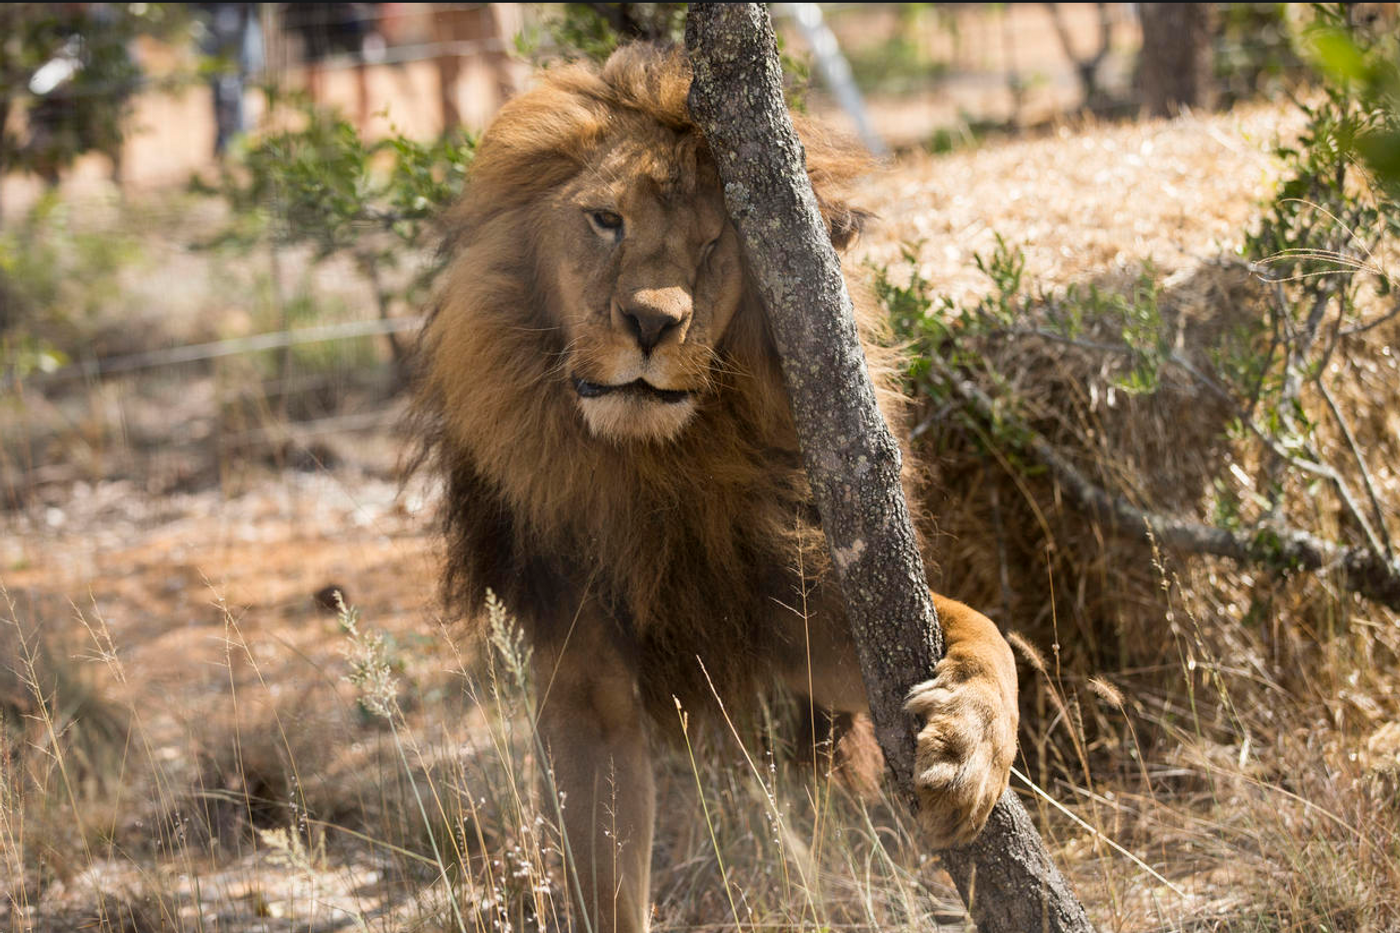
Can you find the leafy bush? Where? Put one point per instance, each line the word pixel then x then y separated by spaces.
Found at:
pixel 1254 51
pixel 595 30
pixel 56 281
pixel 66 67
pixel 323 186
pixel 1361 62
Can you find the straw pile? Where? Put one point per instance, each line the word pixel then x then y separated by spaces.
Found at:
pixel 1099 205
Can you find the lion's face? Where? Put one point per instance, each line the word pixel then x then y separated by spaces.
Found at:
pixel 650 282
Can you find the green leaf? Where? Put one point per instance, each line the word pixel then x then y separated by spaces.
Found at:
pixel 1339 55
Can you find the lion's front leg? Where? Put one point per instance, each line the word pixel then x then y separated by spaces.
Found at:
pixel 591 720
pixel 968 743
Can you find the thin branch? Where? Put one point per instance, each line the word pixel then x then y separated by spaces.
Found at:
pixel 1268 364
pixel 1366 482
pixel 1086 68
pixel 384 302
pixel 1378 542
pixel 1295 366
pixel 1371 325
pixel 1363 570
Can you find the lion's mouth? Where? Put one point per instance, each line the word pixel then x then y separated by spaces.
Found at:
pixel 638 387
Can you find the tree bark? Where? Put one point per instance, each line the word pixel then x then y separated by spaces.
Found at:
pixel 1177 61
pixel 1005 876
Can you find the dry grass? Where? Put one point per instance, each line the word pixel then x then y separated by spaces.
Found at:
pixel 183 750
pixel 1222 723
pixel 1086 201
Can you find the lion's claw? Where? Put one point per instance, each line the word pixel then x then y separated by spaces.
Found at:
pixel 964 753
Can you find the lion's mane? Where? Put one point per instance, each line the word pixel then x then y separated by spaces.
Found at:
pixel 687 545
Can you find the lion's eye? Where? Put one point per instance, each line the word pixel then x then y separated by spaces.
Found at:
pixel 606 223
pixel 708 251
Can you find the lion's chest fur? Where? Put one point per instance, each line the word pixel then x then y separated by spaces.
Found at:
pixel 689 550
pixel 695 548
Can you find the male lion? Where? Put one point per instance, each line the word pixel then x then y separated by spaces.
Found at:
pixel 605 403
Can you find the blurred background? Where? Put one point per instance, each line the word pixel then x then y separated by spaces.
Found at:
pixel 136 162
pixel 138 110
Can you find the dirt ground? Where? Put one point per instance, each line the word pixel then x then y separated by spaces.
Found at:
pixel 200 602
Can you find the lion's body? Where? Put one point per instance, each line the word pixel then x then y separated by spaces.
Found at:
pixel 622 469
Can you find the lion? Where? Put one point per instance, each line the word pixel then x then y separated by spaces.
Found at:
pixel 603 399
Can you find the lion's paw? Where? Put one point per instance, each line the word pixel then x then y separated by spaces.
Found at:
pixel 965 750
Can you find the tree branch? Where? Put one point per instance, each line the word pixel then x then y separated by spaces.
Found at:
pixel 1366 482
pixel 1363 570
pixel 852 460
pixel 1378 541
pixel 1086 68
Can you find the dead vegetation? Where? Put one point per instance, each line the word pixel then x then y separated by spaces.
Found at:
pixel 1204 705
pixel 1212 745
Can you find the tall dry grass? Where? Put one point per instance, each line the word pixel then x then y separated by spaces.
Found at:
pixel 1225 800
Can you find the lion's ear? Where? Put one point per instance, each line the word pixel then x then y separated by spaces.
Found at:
pixel 844 223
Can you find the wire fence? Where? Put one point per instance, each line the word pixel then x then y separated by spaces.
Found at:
pixel 199 352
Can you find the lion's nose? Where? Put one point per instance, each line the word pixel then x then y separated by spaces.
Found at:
pixel 650 322
pixel 649 326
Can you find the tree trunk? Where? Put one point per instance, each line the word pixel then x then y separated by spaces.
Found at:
pixel 1087 68
pixel 852 460
pixel 1177 62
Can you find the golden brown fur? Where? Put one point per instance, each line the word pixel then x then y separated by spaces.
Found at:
pixel 605 405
